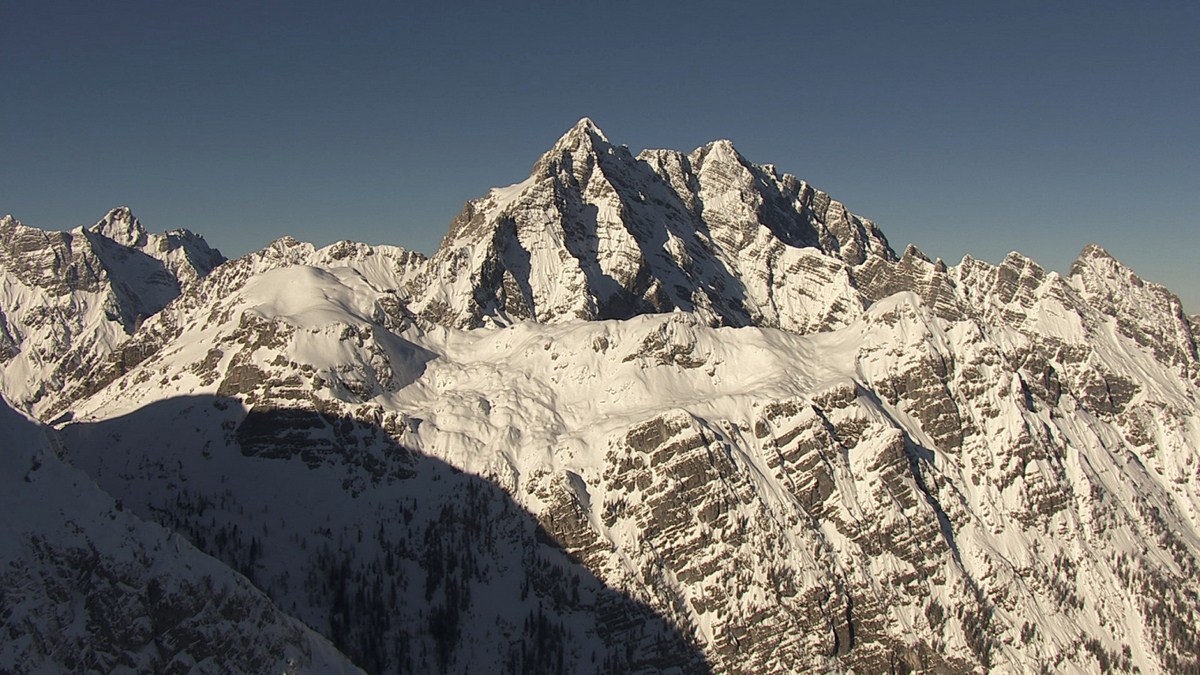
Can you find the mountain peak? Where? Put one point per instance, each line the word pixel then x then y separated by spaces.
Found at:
pixel 585 133
pixel 1094 261
pixel 578 151
pixel 721 151
pixel 121 226
pixel 1094 251
pixel 586 125
pixel 595 233
pixel 723 146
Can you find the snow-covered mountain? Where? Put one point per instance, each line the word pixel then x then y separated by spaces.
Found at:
pixel 673 412
pixel 596 233
pixel 68 298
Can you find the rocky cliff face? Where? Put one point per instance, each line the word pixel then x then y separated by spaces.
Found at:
pixel 68 298
pixel 675 411
pixel 596 233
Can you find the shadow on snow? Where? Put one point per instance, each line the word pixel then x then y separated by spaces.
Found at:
pixel 405 562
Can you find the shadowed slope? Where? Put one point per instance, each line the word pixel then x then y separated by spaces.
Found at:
pixel 86 586
pixel 406 563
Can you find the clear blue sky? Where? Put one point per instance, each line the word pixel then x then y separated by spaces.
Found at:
pixel 960 126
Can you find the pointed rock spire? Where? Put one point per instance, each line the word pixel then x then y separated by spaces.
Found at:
pixel 585 136
pixel 121 226
pixel 721 149
pixel 1094 265
pixel 1094 251
pixel 912 252
pixel 585 126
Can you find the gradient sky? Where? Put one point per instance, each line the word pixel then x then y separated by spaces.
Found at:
pixel 959 126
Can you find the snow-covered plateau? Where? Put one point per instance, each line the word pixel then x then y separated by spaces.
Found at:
pixel 657 413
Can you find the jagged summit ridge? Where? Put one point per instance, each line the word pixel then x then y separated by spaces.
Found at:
pixel 585 130
pixel 67 299
pixel 595 232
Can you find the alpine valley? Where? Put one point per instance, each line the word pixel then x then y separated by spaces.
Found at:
pixel 657 413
